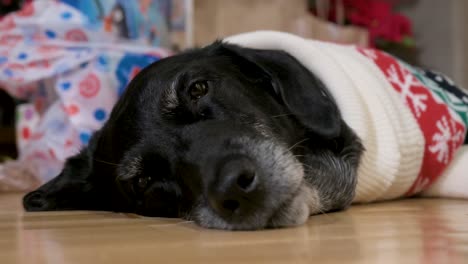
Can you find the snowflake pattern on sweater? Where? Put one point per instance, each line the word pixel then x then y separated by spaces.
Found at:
pixel 440 108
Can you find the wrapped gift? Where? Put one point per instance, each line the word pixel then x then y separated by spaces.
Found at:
pixel 70 71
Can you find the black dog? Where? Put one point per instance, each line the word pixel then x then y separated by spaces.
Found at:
pixel 230 137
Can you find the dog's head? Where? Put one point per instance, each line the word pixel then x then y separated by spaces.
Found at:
pixel 217 135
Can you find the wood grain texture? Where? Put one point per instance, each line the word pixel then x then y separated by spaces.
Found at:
pixel 409 231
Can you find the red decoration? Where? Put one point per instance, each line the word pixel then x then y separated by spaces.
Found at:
pixel 135 70
pixel 39 64
pixel 7 23
pixel 52 154
pixel 90 86
pixel 68 143
pixel 76 35
pixel 72 109
pixel 377 16
pixel 25 133
pixel 10 39
pixel 27 10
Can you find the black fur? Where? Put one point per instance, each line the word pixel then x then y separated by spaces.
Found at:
pixel 158 133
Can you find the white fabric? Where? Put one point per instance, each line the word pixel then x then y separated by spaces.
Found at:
pixel 454 181
pixel 369 105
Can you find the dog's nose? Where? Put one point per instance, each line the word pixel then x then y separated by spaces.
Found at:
pixel 235 189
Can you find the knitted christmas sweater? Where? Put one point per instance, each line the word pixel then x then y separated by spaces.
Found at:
pixel 412 122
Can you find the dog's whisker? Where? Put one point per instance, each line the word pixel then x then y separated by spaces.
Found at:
pixel 322 212
pixel 307 166
pixel 296 144
pixel 282 156
pixel 275 116
pixel 105 162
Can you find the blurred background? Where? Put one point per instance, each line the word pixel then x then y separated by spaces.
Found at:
pixel 64 63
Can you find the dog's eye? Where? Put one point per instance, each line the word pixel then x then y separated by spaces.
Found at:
pixel 198 89
pixel 142 183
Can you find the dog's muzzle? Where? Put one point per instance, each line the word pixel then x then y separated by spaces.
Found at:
pixel 245 177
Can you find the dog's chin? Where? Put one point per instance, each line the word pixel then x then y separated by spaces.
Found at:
pixel 295 211
pixel 208 218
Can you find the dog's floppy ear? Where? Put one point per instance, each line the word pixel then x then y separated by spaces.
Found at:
pixel 304 94
pixel 71 189
pixel 79 186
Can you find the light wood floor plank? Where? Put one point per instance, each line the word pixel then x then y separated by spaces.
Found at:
pixel 408 231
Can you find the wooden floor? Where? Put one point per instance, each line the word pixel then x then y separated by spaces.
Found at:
pixel 411 231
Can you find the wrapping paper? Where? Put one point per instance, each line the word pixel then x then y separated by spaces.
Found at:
pixel 69 70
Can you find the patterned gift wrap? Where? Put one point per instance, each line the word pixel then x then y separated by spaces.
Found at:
pixel 70 71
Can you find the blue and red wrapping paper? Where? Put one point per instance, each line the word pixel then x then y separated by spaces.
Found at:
pixel 69 72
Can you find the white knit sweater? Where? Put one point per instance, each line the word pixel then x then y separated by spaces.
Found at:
pixel 392 138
